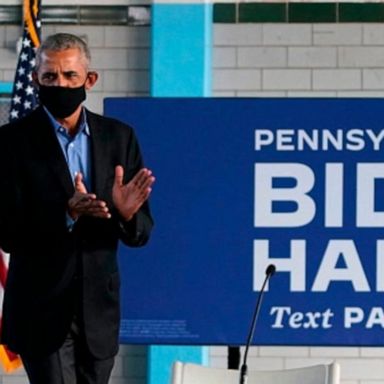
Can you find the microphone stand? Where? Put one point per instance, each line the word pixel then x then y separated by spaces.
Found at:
pixel 271 269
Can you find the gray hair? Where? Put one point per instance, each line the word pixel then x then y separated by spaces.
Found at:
pixel 62 41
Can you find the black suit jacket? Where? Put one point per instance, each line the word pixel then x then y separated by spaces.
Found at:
pixel 53 271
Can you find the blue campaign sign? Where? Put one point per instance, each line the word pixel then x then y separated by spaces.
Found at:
pixel 242 183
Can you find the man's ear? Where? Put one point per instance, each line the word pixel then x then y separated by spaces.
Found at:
pixel 34 78
pixel 92 77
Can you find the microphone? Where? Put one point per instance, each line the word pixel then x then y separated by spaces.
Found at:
pixel 271 269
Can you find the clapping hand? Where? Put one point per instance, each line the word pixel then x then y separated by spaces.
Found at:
pixel 128 198
pixel 84 203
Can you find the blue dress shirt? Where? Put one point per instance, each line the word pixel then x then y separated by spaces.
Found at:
pixel 76 149
pixel 77 152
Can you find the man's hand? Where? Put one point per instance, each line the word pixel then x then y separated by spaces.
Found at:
pixel 84 203
pixel 128 198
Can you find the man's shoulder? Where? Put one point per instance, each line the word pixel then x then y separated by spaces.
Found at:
pixel 11 129
pixel 22 122
pixel 108 123
pixel 18 133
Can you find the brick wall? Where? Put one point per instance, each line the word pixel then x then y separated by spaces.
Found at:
pixel 298 60
pixel 303 60
pixel 250 59
pixel 120 54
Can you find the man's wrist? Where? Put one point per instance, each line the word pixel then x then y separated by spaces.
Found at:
pixel 126 217
pixel 127 224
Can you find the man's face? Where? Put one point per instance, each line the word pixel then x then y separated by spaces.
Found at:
pixel 66 68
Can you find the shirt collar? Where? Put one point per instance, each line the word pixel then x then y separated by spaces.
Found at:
pixel 83 127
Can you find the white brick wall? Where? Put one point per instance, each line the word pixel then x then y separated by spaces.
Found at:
pixel 312 57
pixel 257 60
pixel 358 365
pixel 338 34
pixel 298 60
pixel 120 54
pixel 302 60
pixel 287 34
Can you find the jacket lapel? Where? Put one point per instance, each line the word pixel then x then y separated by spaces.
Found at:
pixel 49 149
pixel 100 149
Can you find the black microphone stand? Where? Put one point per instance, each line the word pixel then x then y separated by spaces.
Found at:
pixel 244 368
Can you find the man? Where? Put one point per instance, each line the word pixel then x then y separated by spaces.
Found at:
pixel 72 184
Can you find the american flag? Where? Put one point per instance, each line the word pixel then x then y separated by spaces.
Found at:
pixel 24 100
pixel 9 360
pixel 24 96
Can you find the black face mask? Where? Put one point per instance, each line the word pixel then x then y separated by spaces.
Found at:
pixel 61 101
